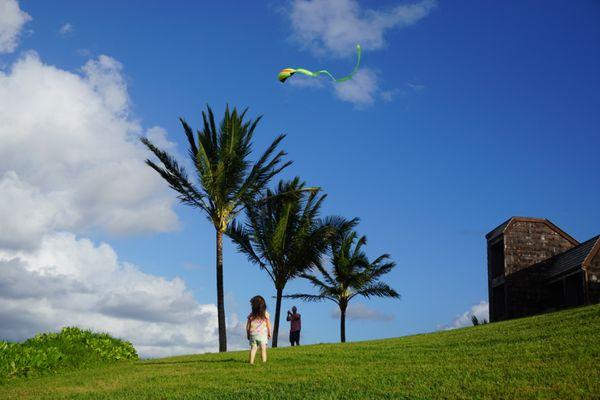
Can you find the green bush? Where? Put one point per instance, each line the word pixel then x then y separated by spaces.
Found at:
pixel 70 348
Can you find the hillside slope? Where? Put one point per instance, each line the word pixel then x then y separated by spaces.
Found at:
pixel 549 356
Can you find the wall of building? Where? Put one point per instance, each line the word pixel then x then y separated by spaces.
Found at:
pixel 593 276
pixel 527 243
pixel 524 292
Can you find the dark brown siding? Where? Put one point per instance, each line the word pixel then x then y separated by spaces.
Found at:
pixel 527 243
pixel 593 276
pixel 531 270
pixel 524 292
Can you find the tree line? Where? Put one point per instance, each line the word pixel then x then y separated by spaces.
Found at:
pixel 279 229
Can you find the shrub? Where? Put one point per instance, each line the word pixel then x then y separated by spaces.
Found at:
pixel 70 348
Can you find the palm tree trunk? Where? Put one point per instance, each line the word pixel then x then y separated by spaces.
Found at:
pixel 220 299
pixel 277 315
pixel 343 322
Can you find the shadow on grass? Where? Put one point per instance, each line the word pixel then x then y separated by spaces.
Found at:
pixel 227 360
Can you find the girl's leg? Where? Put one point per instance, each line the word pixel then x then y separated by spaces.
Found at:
pixel 252 353
pixel 263 352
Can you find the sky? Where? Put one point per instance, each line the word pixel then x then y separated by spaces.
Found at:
pixel 462 115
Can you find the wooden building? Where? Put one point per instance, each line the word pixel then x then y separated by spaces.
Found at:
pixel 534 267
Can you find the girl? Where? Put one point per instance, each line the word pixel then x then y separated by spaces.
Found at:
pixel 258 328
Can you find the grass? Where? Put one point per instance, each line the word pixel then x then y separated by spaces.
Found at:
pixel 544 357
pixel 71 348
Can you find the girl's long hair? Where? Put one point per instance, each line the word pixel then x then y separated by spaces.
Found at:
pixel 259 308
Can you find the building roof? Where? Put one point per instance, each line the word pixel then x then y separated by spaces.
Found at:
pixel 570 259
pixel 502 227
pixel 499 229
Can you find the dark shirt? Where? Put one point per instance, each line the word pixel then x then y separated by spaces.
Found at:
pixel 296 322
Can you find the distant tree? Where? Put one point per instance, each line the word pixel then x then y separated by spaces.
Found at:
pixel 284 236
pixel 476 321
pixel 227 179
pixel 352 275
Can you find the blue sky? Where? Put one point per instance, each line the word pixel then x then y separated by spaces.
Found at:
pixel 465 115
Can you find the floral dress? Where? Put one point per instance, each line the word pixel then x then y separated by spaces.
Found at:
pixel 259 329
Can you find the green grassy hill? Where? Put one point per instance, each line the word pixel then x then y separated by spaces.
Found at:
pixel 550 356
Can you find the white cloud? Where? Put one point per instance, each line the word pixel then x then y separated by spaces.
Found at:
pixel 70 158
pixel 104 76
pixel 192 266
pixel 360 311
pixel 71 163
pixel 72 281
pixel 481 311
pixel 86 53
pixel 27 213
pixel 334 27
pixel 415 87
pixel 12 20
pixel 387 95
pixel 66 29
pixel 158 136
pixel 360 90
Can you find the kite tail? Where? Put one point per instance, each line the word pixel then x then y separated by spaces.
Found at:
pixel 316 73
pixel 286 73
pixel 345 78
pixel 325 72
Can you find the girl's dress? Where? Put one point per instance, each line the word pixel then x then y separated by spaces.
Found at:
pixel 258 330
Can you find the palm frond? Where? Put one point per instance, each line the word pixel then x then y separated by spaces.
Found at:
pixel 378 289
pixel 310 297
pixel 176 177
pixel 323 287
pixel 189 133
pixel 242 238
pixel 380 269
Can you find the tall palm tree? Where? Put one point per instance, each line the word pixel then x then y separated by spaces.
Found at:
pixel 353 275
pixel 227 179
pixel 284 236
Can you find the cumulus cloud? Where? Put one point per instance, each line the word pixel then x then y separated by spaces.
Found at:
pixel 360 311
pixel 333 27
pixel 415 87
pixel 70 158
pixel 12 20
pixel 360 90
pixel 66 29
pixel 26 212
pixel 73 281
pixel 387 95
pixel 158 136
pixel 70 164
pixel 481 311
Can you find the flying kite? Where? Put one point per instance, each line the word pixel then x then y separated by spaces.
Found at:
pixel 286 73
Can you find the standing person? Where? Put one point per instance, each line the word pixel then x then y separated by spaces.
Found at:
pixel 258 328
pixel 295 326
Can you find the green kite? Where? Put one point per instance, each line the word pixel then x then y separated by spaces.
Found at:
pixel 286 73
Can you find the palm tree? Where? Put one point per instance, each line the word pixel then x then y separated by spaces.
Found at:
pixel 227 180
pixel 284 236
pixel 353 275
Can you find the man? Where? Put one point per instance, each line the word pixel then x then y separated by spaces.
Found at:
pixel 295 325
